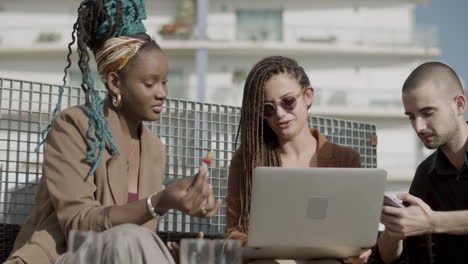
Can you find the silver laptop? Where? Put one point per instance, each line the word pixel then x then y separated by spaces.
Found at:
pixel 311 213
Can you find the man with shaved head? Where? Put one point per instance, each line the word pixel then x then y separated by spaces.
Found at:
pixel 433 228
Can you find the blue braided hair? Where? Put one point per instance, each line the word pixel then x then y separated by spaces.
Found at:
pixel 129 23
pixel 98 20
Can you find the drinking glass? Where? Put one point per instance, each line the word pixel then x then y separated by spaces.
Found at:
pixel 195 251
pixel 227 251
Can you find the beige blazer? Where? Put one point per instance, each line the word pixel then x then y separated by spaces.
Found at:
pixel 69 199
pixel 328 155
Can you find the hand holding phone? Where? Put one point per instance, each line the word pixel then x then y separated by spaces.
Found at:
pixel 391 200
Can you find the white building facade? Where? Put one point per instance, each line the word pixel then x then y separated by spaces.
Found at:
pixel 357 55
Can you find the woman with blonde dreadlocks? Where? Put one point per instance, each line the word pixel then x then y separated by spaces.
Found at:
pixel 275 132
pixel 102 168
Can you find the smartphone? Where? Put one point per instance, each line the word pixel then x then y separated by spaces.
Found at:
pixel 391 200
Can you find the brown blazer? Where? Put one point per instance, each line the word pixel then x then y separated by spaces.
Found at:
pixel 328 155
pixel 66 199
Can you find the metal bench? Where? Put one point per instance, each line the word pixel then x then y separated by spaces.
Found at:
pixel 189 130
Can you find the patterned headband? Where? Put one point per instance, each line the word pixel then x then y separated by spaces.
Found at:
pixel 115 54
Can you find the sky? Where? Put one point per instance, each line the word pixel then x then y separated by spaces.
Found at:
pixel 451 18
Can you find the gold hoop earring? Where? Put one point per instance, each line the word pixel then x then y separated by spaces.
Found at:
pixel 116 100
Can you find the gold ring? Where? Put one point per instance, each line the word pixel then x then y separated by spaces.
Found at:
pixel 203 209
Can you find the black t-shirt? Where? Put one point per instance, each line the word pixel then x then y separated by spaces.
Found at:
pixel 444 188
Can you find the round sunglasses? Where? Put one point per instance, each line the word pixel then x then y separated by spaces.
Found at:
pixel 288 103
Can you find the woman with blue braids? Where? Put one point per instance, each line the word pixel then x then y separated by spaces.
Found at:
pixel 102 168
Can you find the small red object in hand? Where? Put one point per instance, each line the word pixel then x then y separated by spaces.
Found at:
pixel 207 159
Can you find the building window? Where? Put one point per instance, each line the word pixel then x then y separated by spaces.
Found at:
pixel 259 25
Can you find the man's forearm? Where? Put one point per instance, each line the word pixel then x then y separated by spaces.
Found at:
pixel 454 222
pixel 390 249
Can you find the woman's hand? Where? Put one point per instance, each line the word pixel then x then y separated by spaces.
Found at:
pixel 193 196
pixel 358 259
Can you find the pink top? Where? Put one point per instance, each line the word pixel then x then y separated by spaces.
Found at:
pixel 132 197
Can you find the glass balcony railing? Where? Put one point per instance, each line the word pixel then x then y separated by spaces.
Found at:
pixel 46 35
pixel 349 101
pixel 359 99
pixel 30 36
pixel 400 165
pixel 426 36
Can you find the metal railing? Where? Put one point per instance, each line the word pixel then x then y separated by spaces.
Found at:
pixel 188 129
